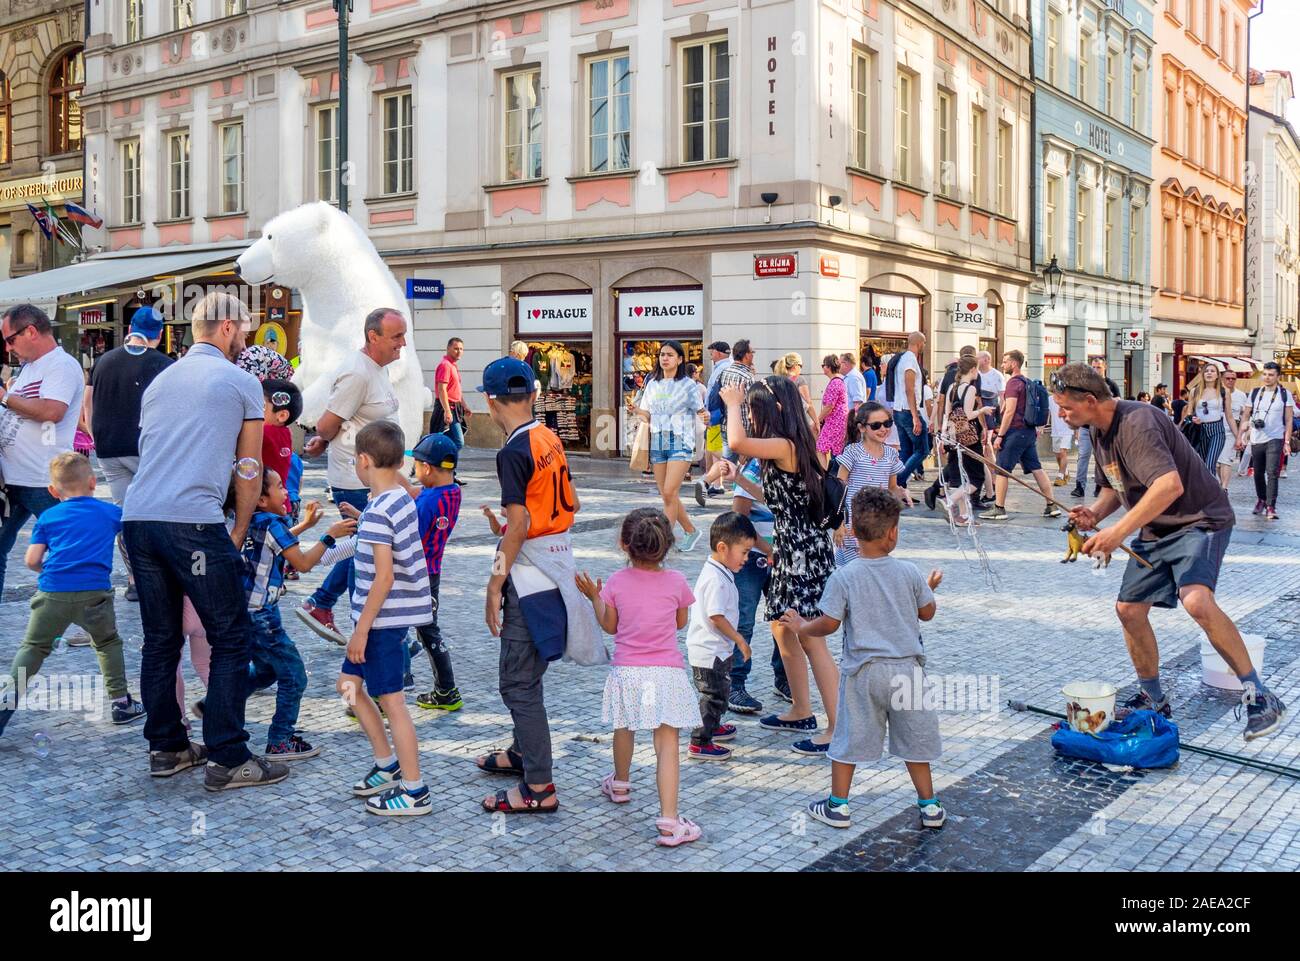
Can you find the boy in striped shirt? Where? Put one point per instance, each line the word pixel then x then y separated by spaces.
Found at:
pixel 390 596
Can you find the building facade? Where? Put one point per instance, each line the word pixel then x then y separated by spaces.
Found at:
pixel 1272 215
pixel 1093 184
pixel 1199 232
pixel 596 176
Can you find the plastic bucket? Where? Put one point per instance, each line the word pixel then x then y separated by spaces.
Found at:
pixel 1215 671
pixel 1089 705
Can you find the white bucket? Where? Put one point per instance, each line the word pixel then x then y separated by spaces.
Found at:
pixel 1214 669
pixel 1089 705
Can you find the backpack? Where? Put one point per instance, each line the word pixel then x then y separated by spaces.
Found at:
pixel 1038 410
pixel 834 493
pixel 714 402
pixel 1286 400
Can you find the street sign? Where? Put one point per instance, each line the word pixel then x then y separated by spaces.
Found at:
pixel 1133 338
pixel 775 265
pixel 417 289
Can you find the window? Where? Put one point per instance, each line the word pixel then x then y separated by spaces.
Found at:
pixel 609 113
pixel 1221 154
pixel 1110 237
pixel 1207 142
pixel 1112 82
pixel 904 129
pixel 1221 277
pixel 128 153
pixel 977 156
pixel 1235 273
pixel 327 153
pixel 182 14
pixel 231 138
pixel 523 125
pixel 1134 243
pixel 862 74
pixel 178 175
pixel 6 120
pixel 1207 271
pixel 1137 96
pixel 1223 33
pixel 65 111
pixel 1085 41
pixel 134 20
pixel 1171 117
pixel 1051 226
pixel 1053 45
pixel 233 8
pixel 1005 186
pixel 944 116
pixel 398 145
pixel 1082 240
pixel 706 101
pixel 1236 158
pixel 1236 47
pixel 1189 145
pixel 1189 260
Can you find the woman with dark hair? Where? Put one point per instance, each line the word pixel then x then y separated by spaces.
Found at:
pixel 963 425
pixel 670 404
pixel 871 370
pixel 802 558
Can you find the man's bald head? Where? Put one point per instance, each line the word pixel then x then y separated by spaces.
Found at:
pixel 915 340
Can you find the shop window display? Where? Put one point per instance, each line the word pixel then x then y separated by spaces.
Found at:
pixel 93 343
pixel 563 372
pixel 637 363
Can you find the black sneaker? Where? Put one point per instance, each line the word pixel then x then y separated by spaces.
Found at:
pixel 294 749
pixel 782 690
pixel 398 801
pixel 167 763
pixel 1141 701
pixel 774 722
pixel 1077 491
pixel 701 493
pixel 931 497
pixel 740 701
pixel 436 700
pixel 132 594
pixel 1051 510
pixel 716 491
pixel 255 772
pixel 836 815
pixel 124 712
pixel 408 681
pixel 994 513
pixel 1264 712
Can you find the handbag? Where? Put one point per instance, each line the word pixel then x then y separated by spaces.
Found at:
pixel 964 431
pixel 1192 431
pixel 639 457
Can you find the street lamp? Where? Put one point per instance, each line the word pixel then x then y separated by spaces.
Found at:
pixel 1052 275
pixel 1288 335
pixel 344 10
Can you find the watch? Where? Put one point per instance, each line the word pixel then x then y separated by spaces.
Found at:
pixel 4 399
pixel 327 540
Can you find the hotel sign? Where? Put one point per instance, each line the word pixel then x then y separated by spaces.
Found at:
pixel 16 194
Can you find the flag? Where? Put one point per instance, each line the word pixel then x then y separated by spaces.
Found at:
pixel 42 220
pixel 65 235
pixel 80 215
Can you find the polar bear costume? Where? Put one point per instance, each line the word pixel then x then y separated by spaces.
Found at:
pixel 324 255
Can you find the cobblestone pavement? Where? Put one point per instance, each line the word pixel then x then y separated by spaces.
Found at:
pixel 91 805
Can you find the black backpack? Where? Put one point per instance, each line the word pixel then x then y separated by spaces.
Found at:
pixel 833 509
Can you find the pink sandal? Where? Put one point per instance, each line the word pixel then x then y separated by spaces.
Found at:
pixel 620 792
pixel 683 831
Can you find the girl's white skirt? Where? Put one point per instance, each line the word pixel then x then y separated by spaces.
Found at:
pixel 644 698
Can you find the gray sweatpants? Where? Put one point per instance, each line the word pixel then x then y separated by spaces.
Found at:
pixel 120 472
pixel 520 676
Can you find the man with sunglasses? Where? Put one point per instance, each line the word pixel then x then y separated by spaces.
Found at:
pixel 46 394
pixel 1168 493
pixel 1267 420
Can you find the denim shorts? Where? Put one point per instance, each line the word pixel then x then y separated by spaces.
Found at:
pixel 385 662
pixel 1020 446
pixel 1178 560
pixel 667 446
pixel 668 455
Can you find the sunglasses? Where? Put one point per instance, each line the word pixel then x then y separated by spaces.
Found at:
pixel 9 341
pixel 879 425
pixel 1059 385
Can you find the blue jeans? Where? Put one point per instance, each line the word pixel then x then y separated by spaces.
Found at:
pixel 1085 458
pixel 339 580
pixel 911 448
pixel 456 433
pixel 275 660
pixel 24 502
pixel 198 561
pixel 750 581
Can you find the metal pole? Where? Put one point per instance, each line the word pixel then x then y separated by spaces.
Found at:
pixel 344 8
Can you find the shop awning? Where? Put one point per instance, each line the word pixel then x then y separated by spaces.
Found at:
pixel 108 271
pixel 1238 365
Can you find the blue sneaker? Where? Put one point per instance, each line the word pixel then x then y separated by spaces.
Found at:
pixel 379 779
pixel 708 752
pixel 836 815
pixel 812 749
pixel 690 540
pixel 740 701
pixel 725 732
pixel 774 723
pixel 782 690
pixel 399 801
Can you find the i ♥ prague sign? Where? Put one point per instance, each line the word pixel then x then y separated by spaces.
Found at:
pixel 661 311
pixel 555 313
pixel 1134 338
pixel 969 313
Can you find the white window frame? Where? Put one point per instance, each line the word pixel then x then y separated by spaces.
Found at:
pixel 531 125
pixel 978 121
pixel 133 29
pixel 1051 217
pixel 1082 228
pixel 177 143
pixel 1135 234
pixel 606 101
pixel 945 116
pixel 182 14
pixel 1112 80
pixel 1005 170
pixel 712 120
pixel 225 160
pixel 1083 66
pixel 1110 236
pixel 233 8
pixel 325 169
pixel 397 170
pixel 1053 47
pixel 128 156
pixel 904 125
pixel 863 112
pixel 1137 82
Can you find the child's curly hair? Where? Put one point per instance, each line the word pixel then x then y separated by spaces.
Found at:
pixel 646 535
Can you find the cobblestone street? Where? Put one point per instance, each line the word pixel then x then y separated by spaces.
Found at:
pixel 85 800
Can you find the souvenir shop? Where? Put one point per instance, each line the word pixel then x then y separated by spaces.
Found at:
pixel 556 326
pixel 886 320
pixel 1055 352
pixel 644 318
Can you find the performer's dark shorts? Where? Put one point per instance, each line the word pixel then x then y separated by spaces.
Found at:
pixel 1190 556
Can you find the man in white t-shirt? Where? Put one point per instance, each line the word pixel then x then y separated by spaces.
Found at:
pixel 46 393
pixel 906 400
pixel 1234 445
pixel 361 394
pixel 855 385
pixel 1269 418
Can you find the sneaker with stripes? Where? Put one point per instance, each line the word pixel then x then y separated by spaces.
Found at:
pixel 379 779
pixel 398 801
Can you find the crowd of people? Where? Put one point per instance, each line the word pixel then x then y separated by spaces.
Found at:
pixel 207 513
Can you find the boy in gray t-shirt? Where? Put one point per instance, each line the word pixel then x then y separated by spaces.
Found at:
pixel 880 601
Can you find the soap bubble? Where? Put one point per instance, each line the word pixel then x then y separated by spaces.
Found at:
pixel 248 468
pixel 58 645
pixel 41 742
pixel 135 348
pixel 280 399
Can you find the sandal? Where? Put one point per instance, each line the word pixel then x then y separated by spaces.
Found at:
pixel 488 763
pixel 681 831
pixel 532 801
pixel 620 792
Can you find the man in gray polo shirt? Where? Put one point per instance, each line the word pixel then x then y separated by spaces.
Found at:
pixel 200 427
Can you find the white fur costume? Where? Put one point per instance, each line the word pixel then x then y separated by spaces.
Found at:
pixel 328 259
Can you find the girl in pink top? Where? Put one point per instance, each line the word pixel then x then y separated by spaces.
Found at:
pixel 644 605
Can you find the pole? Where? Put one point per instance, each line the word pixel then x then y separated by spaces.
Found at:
pixel 344 9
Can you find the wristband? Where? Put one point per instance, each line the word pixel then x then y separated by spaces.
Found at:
pixel 327 540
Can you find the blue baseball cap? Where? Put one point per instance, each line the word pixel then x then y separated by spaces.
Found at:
pixel 507 375
pixel 147 322
pixel 438 450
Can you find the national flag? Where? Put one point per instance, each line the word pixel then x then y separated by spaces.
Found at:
pixel 80 215
pixel 65 235
pixel 42 221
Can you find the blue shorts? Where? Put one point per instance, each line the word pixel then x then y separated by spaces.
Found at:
pixel 1020 446
pixel 1178 560
pixel 669 446
pixel 385 662
pixel 670 454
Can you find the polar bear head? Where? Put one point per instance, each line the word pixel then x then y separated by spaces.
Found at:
pixel 303 246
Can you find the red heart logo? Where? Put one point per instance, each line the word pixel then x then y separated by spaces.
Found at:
pixel 638 310
pixel 537 313
pixel 971 307
pixel 1134 334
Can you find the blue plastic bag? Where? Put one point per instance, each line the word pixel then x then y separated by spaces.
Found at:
pixel 1143 739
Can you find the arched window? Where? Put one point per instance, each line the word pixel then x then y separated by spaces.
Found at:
pixel 6 120
pixel 65 111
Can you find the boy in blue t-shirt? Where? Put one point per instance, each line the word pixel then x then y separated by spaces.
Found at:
pixel 269 543
pixel 438 507
pixel 72 551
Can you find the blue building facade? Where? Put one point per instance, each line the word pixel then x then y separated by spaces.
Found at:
pixel 1092 167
